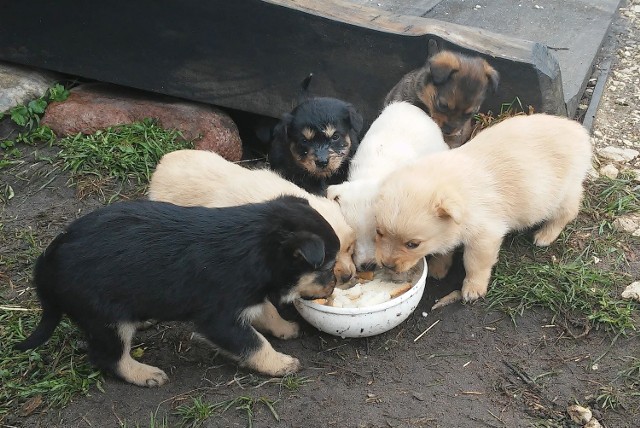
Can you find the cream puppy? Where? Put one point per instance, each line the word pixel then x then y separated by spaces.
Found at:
pixel 201 178
pixel 525 171
pixel 401 134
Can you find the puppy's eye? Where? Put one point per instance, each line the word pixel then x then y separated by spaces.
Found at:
pixel 335 137
pixel 305 141
pixel 379 232
pixel 442 106
pixel 412 245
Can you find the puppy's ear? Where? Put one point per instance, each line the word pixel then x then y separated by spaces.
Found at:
pixel 309 247
pixel 492 75
pixel 432 48
pixel 281 130
pixel 356 119
pixel 334 192
pixel 448 209
pixel 441 67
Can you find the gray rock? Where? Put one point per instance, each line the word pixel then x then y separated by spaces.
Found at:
pixel 618 154
pixel 19 85
pixel 609 171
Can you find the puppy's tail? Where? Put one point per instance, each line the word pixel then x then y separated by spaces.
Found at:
pixel 304 89
pixel 50 319
pixel 51 314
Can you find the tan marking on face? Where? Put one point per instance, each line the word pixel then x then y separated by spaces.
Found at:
pixel 391 251
pixel 329 130
pixel 309 163
pixel 345 269
pixel 446 60
pixel 267 360
pixel 131 370
pixel 308 133
pixel 308 288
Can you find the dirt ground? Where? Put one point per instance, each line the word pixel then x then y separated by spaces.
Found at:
pixel 474 368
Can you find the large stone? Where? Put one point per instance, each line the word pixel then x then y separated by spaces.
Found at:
pixel 609 171
pixel 19 85
pixel 96 106
pixel 618 154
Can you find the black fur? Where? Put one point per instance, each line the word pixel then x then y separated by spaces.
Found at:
pixel 134 261
pixel 289 146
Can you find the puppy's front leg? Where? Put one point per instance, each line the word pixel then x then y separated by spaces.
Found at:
pixel 439 265
pixel 270 321
pixel 250 347
pixel 479 258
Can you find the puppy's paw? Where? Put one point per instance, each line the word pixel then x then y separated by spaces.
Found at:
pixel 279 365
pixel 156 378
pixel 289 365
pixel 472 291
pixel 439 265
pixel 141 374
pixel 544 237
pixel 286 330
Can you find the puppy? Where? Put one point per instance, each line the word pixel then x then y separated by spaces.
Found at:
pixel 525 171
pixel 200 178
pixel 313 144
pixel 450 88
pixel 216 267
pixel 402 133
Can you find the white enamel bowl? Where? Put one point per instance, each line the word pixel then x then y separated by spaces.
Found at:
pixel 367 321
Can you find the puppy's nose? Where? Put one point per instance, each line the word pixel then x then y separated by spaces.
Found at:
pixel 389 266
pixel 447 128
pixel 367 266
pixel 322 163
pixel 346 277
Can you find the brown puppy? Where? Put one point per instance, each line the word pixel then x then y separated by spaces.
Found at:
pixel 201 178
pixel 522 172
pixel 450 88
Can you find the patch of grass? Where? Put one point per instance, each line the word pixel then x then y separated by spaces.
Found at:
pixel 293 382
pixel 580 276
pixel 126 153
pixel 154 422
pixel 47 376
pixel 198 411
pixel 28 118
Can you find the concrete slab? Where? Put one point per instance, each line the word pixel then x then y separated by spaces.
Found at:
pixel 572 29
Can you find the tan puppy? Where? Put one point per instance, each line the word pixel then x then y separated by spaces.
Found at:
pixel 201 178
pixel 524 171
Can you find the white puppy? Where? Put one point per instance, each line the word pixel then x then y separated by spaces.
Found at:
pixel 524 171
pixel 201 178
pixel 401 134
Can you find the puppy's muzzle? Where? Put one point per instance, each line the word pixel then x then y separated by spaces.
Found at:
pixel 322 157
pixel 451 130
pixel 367 266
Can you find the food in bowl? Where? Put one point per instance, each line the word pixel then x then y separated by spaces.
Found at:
pixel 367 320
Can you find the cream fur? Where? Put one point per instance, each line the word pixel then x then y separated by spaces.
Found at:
pixel 201 178
pixel 521 172
pixel 401 134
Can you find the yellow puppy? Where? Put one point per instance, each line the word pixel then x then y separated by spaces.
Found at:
pixel 525 171
pixel 201 178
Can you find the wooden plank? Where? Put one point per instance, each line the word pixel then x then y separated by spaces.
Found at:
pixel 400 7
pixel 251 55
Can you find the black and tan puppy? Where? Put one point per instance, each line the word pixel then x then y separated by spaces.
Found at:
pixel 217 267
pixel 313 144
pixel 450 88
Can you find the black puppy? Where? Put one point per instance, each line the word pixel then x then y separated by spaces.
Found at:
pixel 216 267
pixel 312 146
